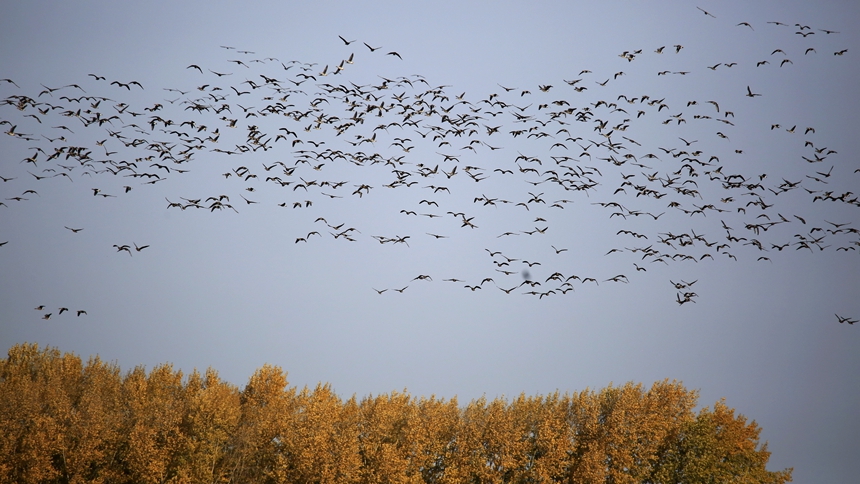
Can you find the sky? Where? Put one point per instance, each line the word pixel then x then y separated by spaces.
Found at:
pixel 683 144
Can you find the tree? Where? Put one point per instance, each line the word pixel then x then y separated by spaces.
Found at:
pixel 27 429
pixel 154 406
pixel 264 426
pixel 65 422
pixel 431 436
pixel 211 425
pixel 383 438
pixel 718 447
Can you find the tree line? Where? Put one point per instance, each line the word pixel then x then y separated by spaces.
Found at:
pixel 63 420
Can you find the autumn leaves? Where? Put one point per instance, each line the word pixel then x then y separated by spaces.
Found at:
pixel 65 420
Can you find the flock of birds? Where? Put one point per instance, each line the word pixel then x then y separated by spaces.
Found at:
pixel 296 128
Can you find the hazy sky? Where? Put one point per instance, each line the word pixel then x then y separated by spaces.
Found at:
pixel 232 289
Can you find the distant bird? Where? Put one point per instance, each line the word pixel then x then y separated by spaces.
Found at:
pixel 401 58
pixel 750 93
pixel 127 85
pixel 706 12
pixel 347 42
pixel 74 230
pixel 81 311
pixel 845 320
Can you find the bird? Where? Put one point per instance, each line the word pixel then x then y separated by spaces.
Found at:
pixel 347 42
pixel 750 93
pixel 74 230
pixel 845 320
pixel 706 12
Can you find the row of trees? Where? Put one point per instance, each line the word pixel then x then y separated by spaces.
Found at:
pixel 63 420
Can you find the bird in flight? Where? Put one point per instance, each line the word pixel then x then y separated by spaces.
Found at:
pixel 706 12
pixel 845 320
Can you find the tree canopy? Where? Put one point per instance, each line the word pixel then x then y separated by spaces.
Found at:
pixel 66 421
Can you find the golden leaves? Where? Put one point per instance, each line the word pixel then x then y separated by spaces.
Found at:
pixel 62 420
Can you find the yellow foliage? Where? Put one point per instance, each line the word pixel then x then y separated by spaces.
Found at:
pixel 65 421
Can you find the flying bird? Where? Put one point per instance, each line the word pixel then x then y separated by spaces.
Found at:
pixel 706 12
pixel 750 93
pixel 845 320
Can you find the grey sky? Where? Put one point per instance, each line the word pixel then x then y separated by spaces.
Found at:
pixel 234 290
